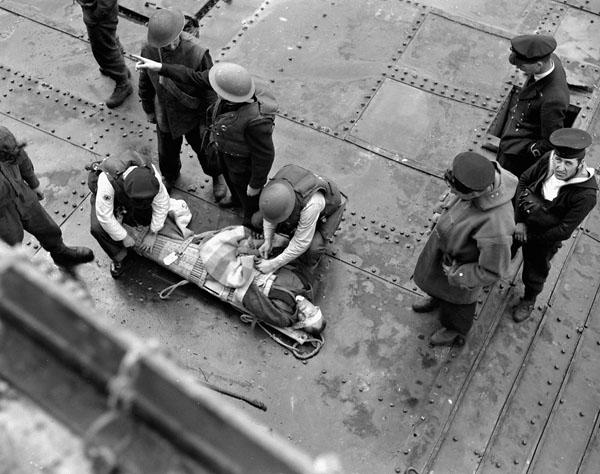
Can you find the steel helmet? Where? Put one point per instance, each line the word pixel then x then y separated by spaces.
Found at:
pixel 277 201
pixel 232 82
pixel 164 27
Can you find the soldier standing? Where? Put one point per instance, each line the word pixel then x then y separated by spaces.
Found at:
pixel 21 210
pixel 175 104
pixel 101 19
pixel 540 106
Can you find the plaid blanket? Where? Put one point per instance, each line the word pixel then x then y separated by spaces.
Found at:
pixel 221 258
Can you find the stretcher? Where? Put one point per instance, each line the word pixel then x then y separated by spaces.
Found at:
pixel 267 301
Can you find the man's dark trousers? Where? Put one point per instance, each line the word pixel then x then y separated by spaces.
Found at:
pixel 106 48
pixel 34 219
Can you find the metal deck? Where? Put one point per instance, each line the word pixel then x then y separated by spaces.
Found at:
pixel 379 95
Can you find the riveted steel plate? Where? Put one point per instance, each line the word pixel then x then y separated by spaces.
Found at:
pixel 498 14
pixel 147 9
pixel 577 43
pixel 67 17
pixel 469 58
pixel 492 378
pixel 537 388
pixel 226 21
pixel 323 58
pixel 572 424
pixel 589 5
pixel 417 128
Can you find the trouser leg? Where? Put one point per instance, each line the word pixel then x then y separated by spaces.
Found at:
pixel 458 317
pixel 38 223
pixel 536 266
pixel 11 228
pixel 194 138
pixel 115 250
pixel 106 47
pixel 311 258
pixel 261 306
pixel 169 149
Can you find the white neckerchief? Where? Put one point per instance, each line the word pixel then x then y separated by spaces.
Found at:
pixel 537 77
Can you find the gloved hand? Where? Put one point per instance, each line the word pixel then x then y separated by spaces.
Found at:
pixel 529 202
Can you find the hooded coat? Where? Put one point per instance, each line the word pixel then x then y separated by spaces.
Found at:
pixel 473 238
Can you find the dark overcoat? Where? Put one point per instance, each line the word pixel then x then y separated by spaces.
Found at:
pixel 535 112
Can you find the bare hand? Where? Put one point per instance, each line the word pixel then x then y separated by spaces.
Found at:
pixel 145 63
pixel 250 191
pixel 128 241
pixel 265 249
pixel 521 232
pixel 446 269
pixel 266 266
pixel 148 242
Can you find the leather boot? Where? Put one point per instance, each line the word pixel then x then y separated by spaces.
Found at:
pixel 122 91
pixel 117 268
pixel 446 337
pixel 229 203
pixel 219 187
pixel 426 305
pixel 523 310
pixel 70 256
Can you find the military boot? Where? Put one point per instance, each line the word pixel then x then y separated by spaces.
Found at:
pixel 70 256
pixel 523 310
pixel 122 90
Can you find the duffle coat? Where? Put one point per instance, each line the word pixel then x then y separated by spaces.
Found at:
pixel 473 238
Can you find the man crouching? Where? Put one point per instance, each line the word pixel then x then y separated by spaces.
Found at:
pixel 126 190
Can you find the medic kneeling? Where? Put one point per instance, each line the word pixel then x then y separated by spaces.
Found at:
pixel 304 206
pixel 127 190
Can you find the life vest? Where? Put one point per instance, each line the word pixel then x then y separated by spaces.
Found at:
pixel 227 129
pixel 136 213
pixel 305 183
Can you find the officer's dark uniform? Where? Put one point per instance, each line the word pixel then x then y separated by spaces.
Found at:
pixel 179 105
pixel 537 110
pixel 243 133
pixel 20 208
pixel 550 222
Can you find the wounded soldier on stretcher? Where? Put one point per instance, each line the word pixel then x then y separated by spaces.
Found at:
pixel 222 262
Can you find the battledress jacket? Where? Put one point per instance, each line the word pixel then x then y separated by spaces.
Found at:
pixel 179 104
pixel 474 238
pixel 555 220
pixel 538 110
pixel 17 180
